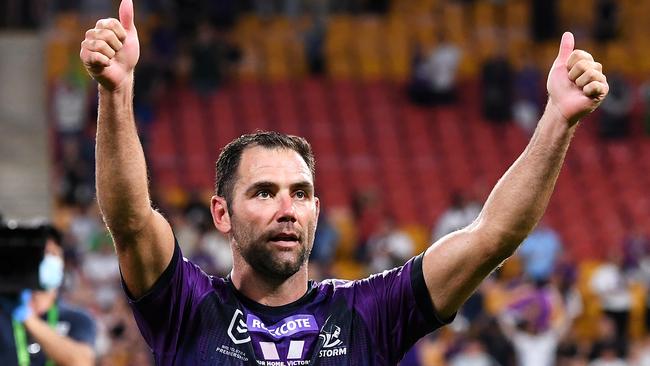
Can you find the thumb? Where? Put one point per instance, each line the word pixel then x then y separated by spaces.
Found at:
pixel 566 47
pixel 126 15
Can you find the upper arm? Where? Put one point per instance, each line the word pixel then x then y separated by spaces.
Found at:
pixel 143 256
pixel 456 264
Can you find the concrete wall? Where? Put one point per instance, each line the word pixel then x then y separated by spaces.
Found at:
pixel 25 183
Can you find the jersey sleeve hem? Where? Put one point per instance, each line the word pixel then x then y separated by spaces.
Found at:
pixel 422 297
pixel 162 281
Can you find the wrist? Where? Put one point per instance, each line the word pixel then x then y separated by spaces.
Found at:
pixel 555 123
pixel 554 112
pixel 125 87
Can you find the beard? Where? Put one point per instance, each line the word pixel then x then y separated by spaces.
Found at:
pixel 264 257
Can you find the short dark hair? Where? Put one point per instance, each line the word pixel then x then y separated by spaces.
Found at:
pixel 230 156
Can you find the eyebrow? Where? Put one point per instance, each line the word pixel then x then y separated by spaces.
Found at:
pixel 263 185
pixel 306 186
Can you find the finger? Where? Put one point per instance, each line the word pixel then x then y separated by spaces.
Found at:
pixel 126 14
pixel 589 76
pixel 581 67
pixel 566 47
pixel 114 25
pixel 105 35
pixel 98 45
pixel 577 56
pixel 595 89
pixel 94 60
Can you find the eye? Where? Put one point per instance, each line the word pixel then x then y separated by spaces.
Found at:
pixel 263 194
pixel 301 195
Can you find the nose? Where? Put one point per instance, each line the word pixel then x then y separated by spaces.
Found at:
pixel 287 211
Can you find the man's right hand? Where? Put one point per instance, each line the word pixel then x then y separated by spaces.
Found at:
pixel 111 50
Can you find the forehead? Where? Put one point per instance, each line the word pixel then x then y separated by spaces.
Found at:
pixel 52 248
pixel 272 164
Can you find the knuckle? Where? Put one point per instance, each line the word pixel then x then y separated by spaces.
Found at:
pixel 582 64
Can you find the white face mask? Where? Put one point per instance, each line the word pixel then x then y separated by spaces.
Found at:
pixel 51 272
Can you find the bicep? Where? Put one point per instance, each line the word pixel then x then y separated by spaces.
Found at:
pixel 456 264
pixel 144 256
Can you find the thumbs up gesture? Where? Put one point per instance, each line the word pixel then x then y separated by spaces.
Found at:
pixel 576 84
pixel 111 50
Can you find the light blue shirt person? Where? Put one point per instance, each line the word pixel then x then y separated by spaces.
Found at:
pixel 539 252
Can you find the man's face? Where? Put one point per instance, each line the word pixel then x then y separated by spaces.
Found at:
pixel 273 211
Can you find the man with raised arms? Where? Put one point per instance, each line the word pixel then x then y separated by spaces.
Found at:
pixel 267 312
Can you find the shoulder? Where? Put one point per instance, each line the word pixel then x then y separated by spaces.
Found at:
pixel 375 281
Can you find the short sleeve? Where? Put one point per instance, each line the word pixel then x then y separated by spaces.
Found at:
pixel 397 309
pixel 164 312
pixel 82 327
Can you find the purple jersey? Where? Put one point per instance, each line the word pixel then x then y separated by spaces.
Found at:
pixel 191 318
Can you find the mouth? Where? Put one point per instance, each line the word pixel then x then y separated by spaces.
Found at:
pixel 287 240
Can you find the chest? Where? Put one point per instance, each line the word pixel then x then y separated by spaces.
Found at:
pixel 230 334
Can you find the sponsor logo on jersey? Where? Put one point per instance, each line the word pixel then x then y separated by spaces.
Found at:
pixel 285 327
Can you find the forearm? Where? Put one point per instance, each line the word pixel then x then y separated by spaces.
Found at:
pixel 519 199
pixel 122 187
pixel 60 349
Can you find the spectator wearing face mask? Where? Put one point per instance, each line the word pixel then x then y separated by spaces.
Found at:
pixel 37 329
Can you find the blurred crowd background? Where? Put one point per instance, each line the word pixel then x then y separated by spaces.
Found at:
pixel 414 109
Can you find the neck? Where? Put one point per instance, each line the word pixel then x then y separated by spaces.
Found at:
pixel 266 291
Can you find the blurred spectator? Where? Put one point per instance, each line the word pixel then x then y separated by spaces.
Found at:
pixel 460 214
pixel 216 247
pixel 535 344
pixel 101 268
pixel 607 339
pixel 325 243
pixel 608 357
pixel 389 247
pixel 612 288
pixel 606 22
pixel 616 109
pixel 204 259
pixel 314 46
pixel 37 327
pixel 640 352
pixel 70 102
pixel 433 79
pixel 539 252
pixel 22 14
pixel 636 249
pixel 496 78
pixel 268 8
pixel 473 354
pixel 544 19
pixel 368 211
pixel 527 94
pixel 76 183
pixel 146 91
pixel 85 225
pixel 198 212
pixel 213 54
